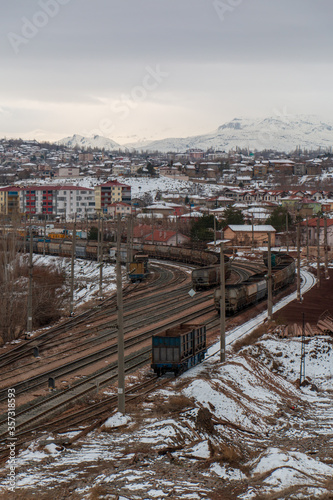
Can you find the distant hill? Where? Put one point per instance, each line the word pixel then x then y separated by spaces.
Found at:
pixel 284 133
pixel 96 141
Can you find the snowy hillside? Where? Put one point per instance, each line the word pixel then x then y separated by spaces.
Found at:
pixel 95 141
pixel 283 133
pixel 280 133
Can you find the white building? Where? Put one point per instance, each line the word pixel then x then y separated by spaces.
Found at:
pixel 63 201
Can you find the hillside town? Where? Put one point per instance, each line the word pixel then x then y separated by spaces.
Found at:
pixel 51 182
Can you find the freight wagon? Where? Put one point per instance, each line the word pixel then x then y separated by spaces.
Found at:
pixel 207 277
pixel 255 288
pixel 178 349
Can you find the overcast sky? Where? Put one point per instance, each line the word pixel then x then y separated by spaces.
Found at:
pixel 150 69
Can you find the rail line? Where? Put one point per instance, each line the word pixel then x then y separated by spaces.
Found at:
pixel 34 413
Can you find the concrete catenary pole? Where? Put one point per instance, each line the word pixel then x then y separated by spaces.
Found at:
pixel 269 280
pixel 71 302
pixel 101 239
pixel 44 240
pixel 121 355
pixel 299 298
pixel 222 305
pixel 287 230
pixel 326 248
pixel 128 244
pixel 214 232
pixel 318 252
pixel 177 229
pixel 307 239
pixel 252 232
pixel 29 308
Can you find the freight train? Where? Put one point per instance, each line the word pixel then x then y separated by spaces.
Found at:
pixel 89 250
pixel 178 349
pixel 207 277
pixel 255 288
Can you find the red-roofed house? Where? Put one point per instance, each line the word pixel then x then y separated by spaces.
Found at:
pixel 168 238
pixel 312 228
pixel 119 208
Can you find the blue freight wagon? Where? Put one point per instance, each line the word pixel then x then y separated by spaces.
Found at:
pixel 178 349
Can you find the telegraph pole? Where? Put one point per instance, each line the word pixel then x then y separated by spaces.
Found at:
pixel 99 236
pixel 252 233
pixel 287 231
pixel 121 355
pixel 128 244
pixel 177 230
pixel 214 232
pixel 44 236
pixel 222 305
pixel 299 298
pixel 29 318
pixel 269 281
pixel 71 303
pixel 318 252
pixel 326 248
pixel 307 239
pixel 101 262
pixel 302 368
pixel 152 227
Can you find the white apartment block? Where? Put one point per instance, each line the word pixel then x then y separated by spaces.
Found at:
pixel 61 201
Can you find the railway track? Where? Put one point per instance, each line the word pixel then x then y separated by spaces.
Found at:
pixel 31 416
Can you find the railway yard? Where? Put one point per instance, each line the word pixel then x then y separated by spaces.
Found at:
pixel 218 431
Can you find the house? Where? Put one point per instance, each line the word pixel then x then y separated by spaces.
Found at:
pixel 311 227
pixel 119 208
pixel 243 234
pixel 165 209
pixel 168 238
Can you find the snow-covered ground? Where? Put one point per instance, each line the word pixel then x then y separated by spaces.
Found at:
pixel 243 425
pixel 86 276
pixel 139 186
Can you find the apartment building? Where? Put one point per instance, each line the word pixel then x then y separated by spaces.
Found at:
pixel 111 192
pixel 63 201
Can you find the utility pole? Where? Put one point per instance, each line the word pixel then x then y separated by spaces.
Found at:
pixel 222 305
pixel 269 281
pixel 87 224
pixel 318 252
pixel 29 316
pixel 307 239
pixel 302 368
pixel 252 233
pixel 287 231
pixel 44 236
pixel 326 248
pixel 71 303
pixel 177 230
pixel 299 298
pixel 101 239
pixel 121 355
pixel 214 231
pixel 128 244
pixel 152 227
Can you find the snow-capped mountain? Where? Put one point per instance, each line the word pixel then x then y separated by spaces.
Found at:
pixel 96 141
pixel 284 133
